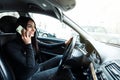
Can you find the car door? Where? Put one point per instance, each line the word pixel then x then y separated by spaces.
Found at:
pixel 52 51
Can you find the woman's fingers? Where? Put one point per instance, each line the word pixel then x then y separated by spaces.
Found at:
pixel 26 36
pixel 68 41
pixel 23 32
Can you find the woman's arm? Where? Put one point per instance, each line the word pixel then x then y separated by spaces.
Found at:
pixel 30 55
pixel 46 45
pixel 54 45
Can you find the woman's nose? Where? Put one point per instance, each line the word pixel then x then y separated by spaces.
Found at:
pixel 33 29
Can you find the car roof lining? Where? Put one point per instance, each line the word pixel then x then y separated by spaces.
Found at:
pixel 36 6
pixel 19 4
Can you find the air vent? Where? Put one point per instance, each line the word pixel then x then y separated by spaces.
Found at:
pixel 114 70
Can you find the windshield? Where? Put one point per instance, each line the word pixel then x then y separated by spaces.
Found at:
pixel 99 18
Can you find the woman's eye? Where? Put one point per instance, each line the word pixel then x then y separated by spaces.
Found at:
pixel 29 26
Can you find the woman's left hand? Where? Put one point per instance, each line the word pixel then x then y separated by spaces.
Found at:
pixel 68 41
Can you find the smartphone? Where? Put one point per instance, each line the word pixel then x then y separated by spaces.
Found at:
pixel 19 29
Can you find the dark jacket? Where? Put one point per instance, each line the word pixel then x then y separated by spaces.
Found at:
pixel 22 57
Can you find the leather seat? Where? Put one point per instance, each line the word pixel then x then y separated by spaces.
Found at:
pixel 7 28
pixel 8 24
pixel 5 70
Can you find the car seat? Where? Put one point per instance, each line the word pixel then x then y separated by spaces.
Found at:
pixel 7 33
pixel 7 24
pixel 6 72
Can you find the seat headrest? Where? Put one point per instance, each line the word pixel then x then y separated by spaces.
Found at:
pixel 8 24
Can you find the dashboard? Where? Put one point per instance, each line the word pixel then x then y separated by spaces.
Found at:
pixel 109 70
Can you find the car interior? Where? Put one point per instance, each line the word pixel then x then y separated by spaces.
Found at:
pixel 7 27
pixel 89 64
pixel 8 34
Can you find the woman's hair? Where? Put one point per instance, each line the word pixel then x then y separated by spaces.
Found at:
pixel 23 22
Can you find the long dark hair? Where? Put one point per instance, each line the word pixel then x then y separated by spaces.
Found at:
pixel 23 22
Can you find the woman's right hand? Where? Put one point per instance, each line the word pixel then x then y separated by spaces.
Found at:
pixel 26 37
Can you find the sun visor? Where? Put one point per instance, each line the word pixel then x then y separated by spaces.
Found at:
pixel 64 5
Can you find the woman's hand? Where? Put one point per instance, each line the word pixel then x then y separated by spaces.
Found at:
pixel 26 37
pixel 68 41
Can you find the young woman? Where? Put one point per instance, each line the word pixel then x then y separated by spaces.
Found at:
pixel 23 53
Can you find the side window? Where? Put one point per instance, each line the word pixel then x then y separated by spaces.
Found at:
pixel 48 26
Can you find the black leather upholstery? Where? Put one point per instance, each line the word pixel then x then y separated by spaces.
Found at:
pixel 7 33
pixel 5 70
pixel 8 24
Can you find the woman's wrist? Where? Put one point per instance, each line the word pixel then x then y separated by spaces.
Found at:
pixel 28 46
pixel 27 42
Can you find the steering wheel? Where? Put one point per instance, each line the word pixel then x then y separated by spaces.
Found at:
pixel 67 53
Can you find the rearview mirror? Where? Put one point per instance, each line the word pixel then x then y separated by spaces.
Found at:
pixel 65 5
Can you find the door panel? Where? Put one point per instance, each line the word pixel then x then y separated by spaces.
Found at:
pixel 52 51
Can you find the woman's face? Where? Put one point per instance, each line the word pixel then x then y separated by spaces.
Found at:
pixel 31 28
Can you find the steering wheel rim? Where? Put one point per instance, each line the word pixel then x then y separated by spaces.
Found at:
pixel 67 53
